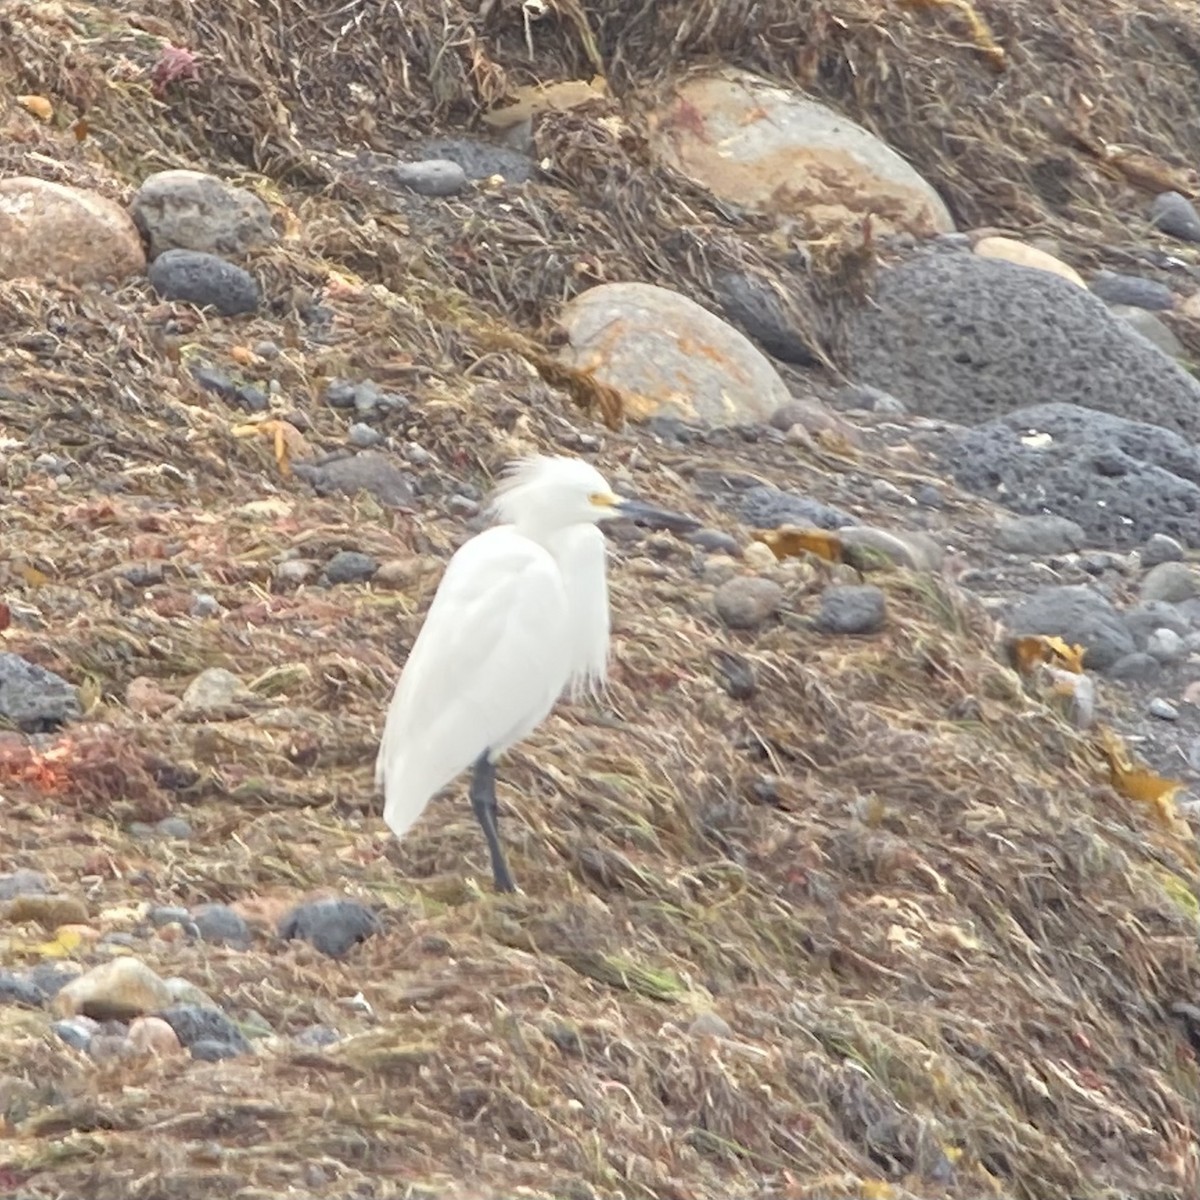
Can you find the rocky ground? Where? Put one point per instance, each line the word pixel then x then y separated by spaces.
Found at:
pixel 874 876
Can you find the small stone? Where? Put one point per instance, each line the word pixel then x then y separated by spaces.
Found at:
pixel 867 548
pixel 209 1050
pixel 153 1036
pixel 928 496
pixel 1160 549
pixel 213 690
pixel 747 601
pixel 1135 668
pixel 120 989
pixel 1040 536
pixel 219 923
pixel 349 566
pixel 737 675
pixel 1172 582
pixel 852 609
pixel 1166 645
pixel 51 977
pixel 1174 213
pixel 16 990
pixel 184 992
pixel 144 696
pixel 213 379
pixel 1078 614
pixel 295 571
pixel 1163 710
pixel 333 926
pixel 363 436
pixel 194 277
pixel 860 397
pixel 144 575
pixel 204 605
pixel 33 699
pixel 174 827
pixel 757 556
pixel 753 304
pixel 718 569
pixel 433 177
pixel 317 1036
pixel 1143 619
pixel 194 1024
pixel 368 471
pixel 767 507
pixel 267 349
pixel 1115 288
pixel 46 911
pixel 709 1024
pixel 168 915
pixel 714 541
pixel 399 572
pixel 189 210
pixel 77 1032
pixel 23 882
pixel 1152 328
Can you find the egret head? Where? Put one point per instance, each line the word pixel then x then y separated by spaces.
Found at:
pixel 547 493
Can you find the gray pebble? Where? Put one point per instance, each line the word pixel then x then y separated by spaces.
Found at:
pixel 1135 668
pixel 480 159
pixel 15 989
pixel 1040 536
pixel 747 601
pixel 144 575
pixel 1174 213
pixel 767 507
pixel 1171 581
pixel 433 177
pixel 860 396
pixel 174 827
pixel 350 566
pixel 363 436
pixel 1115 288
pixel 23 882
pixel 168 915
pixel 219 923
pixel 737 675
pixel 317 1035
pixel 1163 710
pixel 204 280
pixel 204 606
pixel 193 1024
pixel 852 609
pixel 251 398
pixel 295 570
pixel 928 496
pixel 50 977
pixel 211 1050
pixel 1160 549
pixel 77 1032
pixel 333 926
pixel 267 349
pixel 213 379
pixel 715 541
pixel 367 471
pixel 1166 645
pixel 1081 616
pixel 462 506
pixel 752 303
pixel 33 699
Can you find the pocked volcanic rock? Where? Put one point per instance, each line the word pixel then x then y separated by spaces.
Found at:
pixel 770 148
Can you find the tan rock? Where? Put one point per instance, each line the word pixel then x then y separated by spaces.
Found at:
pixel 144 696
pixel 668 356
pixel 118 990
pixel 48 912
pixel 48 230
pixel 1023 255
pixel 153 1036
pixel 771 148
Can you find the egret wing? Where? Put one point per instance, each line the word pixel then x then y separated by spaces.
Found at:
pixel 487 666
pixel 581 552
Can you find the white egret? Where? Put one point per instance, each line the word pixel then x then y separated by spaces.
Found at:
pixel 521 615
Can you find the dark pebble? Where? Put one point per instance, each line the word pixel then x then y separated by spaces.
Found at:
pixel 737 675
pixel 767 507
pixel 205 281
pixel 929 496
pixel 214 380
pixel 77 1032
pixel 333 926
pixel 144 574
pixel 219 923
pixel 193 1024
pixel 1115 288
pixel 350 566
pixel 753 304
pixel 1175 214
pixel 16 990
pixel 715 541
pixel 1136 667
pixel 434 177
pixel 252 399
pixel 852 609
pixel 33 699
pixel 369 471
pixel 49 978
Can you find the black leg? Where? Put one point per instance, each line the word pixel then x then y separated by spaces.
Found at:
pixel 483 804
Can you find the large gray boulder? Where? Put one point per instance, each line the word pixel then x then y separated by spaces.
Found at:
pixel 969 339
pixel 1120 481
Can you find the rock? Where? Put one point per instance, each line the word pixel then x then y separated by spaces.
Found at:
pixel 23 882
pixel 77 1032
pixel 295 571
pixel 189 210
pixel 1120 481
pixel 214 690
pixel 860 397
pixel 363 436
pixel 1022 255
pixel 709 1024
pixel 350 566
pixel 1132 290
pixel 1174 213
pixel 168 914
pixel 33 699
pixel 1154 330
pixel 50 231
pixel 928 496
pixel 668 356
pixel 813 417
pixel 1042 536
pixel 479 159
pixel 714 541
pixel 204 280
pixel 1080 616
pixel 153 1036
pixel 16 990
pixel 767 507
pixel 185 993
pixel 434 177
pixel 1135 668
pixel 1145 618
pixel 204 606
pixel 51 977
pixel 970 339
pixel 747 601
pixel 119 990
pixel 367 471
pixel 1172 582
pixel 193 1024
pixel 1165 645
pixel 219 923
pixel 737 675
pixel 317 1036
pixel 851 609
pixel 46 910
pixel 1079 693
pixel 770 148
pixel 174 827
pixel 209 1050
pixel 213 379
pixel 1160 549
pixel 333 926
pixel 750 302
pixel 1163 710
pixel 867 548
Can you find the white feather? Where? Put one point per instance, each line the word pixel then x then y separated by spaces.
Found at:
pixel 580 553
